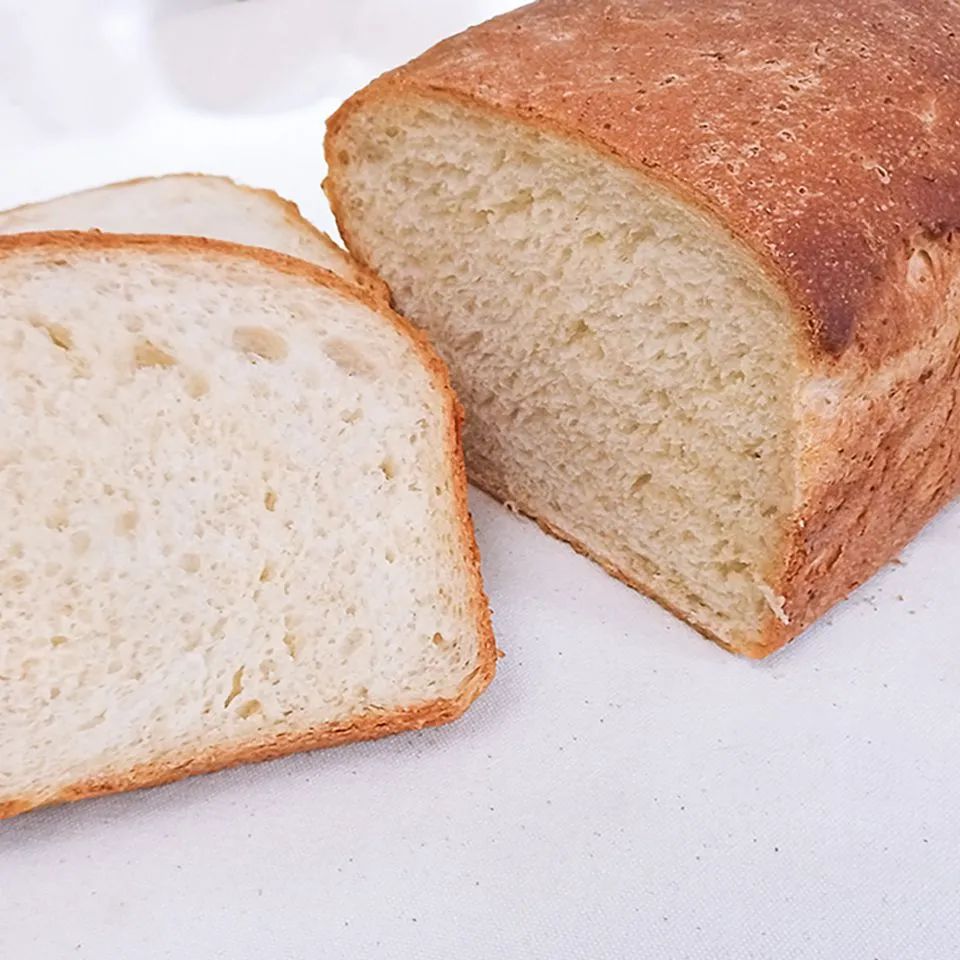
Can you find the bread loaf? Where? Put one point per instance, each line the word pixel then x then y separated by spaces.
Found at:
pixel 694 267
pixel 233 517
pixel 193 205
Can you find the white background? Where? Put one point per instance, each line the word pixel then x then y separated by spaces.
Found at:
pixel 625 789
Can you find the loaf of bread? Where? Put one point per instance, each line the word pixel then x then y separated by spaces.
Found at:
pixel 193 205
pixel 694 267
pixel 233 518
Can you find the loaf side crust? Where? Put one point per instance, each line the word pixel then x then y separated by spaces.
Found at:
pixel 822 137
pixel 883 469
pixel 365 726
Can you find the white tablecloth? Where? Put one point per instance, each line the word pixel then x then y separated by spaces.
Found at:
pixel 624 790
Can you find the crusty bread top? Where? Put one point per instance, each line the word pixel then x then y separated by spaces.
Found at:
pixel 823 133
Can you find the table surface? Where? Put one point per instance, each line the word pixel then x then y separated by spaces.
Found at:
pixel 624 789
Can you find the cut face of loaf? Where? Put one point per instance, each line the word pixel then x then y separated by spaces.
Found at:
pixel 193 205
pixel 674 346
pixel 233 517
pixel 625 368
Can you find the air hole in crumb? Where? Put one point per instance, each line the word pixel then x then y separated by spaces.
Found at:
pixel 80 542
pixel 348 357
pixel 579 331
pixel 641 482
pixel 249 708
pixel 290 642
pixel 58 641
pixel 197 385
pixel 147 354
pixel 60 335
pixel 266 573
pixel 351 416
pixel 236 688
pixel 388 467
pixel 127 522
pixel 54 693
pixel 58 518
pixel 261 342
pixel 270 500
pixel 93 722
pixel 190 562
pixel 390 556
pixel 471 341
pixel 438 640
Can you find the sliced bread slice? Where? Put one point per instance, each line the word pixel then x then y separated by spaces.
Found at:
pixel 194 205
pixel 233 518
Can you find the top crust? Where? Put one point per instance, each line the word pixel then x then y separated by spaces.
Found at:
pixel 351 268
pixel 823 135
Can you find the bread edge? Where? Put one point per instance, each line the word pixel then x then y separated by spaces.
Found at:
pixel 365 726
pixel 360 274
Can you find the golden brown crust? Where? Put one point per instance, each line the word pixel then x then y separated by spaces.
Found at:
pixel 177 766
pixel 823 137
pixel 887 463
pixel 360 274
pixel 362 727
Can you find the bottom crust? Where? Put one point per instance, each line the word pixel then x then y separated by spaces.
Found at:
pixel 178 767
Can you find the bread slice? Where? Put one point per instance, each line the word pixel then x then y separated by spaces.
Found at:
pixel 233 514
pixel 194 205
pixel 702 308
